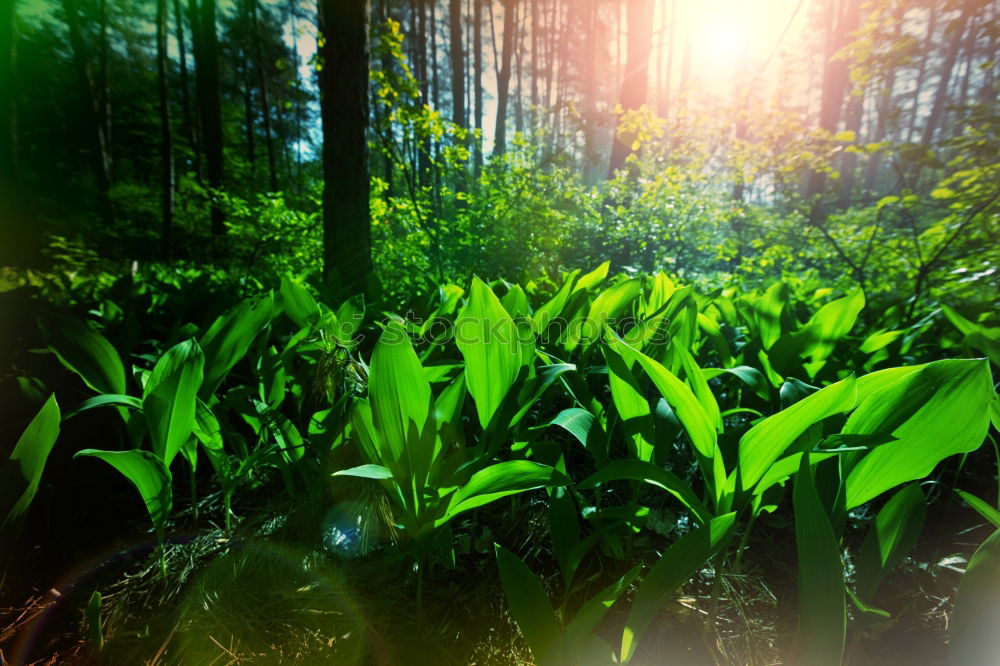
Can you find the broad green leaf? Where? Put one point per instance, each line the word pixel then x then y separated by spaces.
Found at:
pixel 695 377
pixel 229 338
pixel 206 427
pixel 879 340
pixel 168 401
pixel 85 352
pixel 647 472
pixel 488 339
pixel 891 536
pixel 752 377
pixel 515 302
pixel 593 278
pixel 594 609
pixel 677 565
pixel 697 423
pixel 822 603
pixel 973 624
pixel 553 307
pixel 829 324
pixel 935 412
pixel 606 307
pixel 21 473
pixel 149 476
pixel 401 404
pixel 982 507
pixel 106 400
pixel 366 472
pixel 298 303
pixel 501 480
pixel 768 311
pixel 284 433
pixel 765 442
pixel 530 607
pixel 632 406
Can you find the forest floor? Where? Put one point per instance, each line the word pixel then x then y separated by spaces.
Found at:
pixel 270 593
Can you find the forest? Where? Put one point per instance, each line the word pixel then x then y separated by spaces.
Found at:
pixel 550 332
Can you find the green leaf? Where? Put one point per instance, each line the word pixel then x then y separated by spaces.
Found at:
pixel 697 423
pixel 973 623
pixel 594 609
pixel 632 406
pixel 229 338
pixel 149 476
pixel 678 564
pixel 766 441
pixel 822 603
pixel 298 303
pixel 647 472
pixel 366 472
pixel 768 310
pixel 85 352
pixel 501 480
pixel 21 473
pixel 983 508
pixel 168 401
pixel 935 412
pixel 894 532
pixel 530 607
pixel 401 405
pixel 106 400
pixel 488 339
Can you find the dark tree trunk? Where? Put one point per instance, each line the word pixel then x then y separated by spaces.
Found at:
pixel 344 110
pixel 166 140
pixel 503 80
pixel 210 105
pixel 941 97
pixel 477 77
pixel 835 84
pixel 457 64
pixel 925 54
pixel 189 126
pixel 8 98
pixel 636 81
pixel 265 106
pixel 91 102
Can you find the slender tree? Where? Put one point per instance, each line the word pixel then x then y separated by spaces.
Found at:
pixel 503 78
pixel 166 139
pixel 91 107
pixel 477 79
pixel 457 64
pixel 186 117
pixel 344 108
pixel 210 106
pixel 636 82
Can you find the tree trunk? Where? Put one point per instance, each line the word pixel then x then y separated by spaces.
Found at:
pixel 8 106
pixel 925 54
pixel 957 30
pixel 210 107
pixel 477 66
pixel 636 81
pixel 91 101
pixel 265 106
pixel 835 83
pixel 189 126
pixel 166 141
pixel 503 80
pixel 344 111
pixel 457 64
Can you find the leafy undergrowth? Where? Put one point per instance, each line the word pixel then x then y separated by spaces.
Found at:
pixel 583 469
